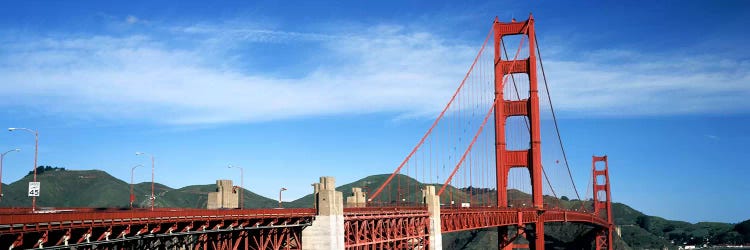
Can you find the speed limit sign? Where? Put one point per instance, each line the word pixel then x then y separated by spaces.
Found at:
pixel 34 188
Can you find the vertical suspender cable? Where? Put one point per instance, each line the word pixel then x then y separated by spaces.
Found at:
pixel 554 118
pixel 526 120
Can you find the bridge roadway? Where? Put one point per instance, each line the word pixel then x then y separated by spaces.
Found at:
pixel 363 226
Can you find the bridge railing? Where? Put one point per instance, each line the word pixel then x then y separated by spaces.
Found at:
pixel 49 210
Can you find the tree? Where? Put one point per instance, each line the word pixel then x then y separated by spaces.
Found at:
pixel 744 229
pixel 42 169
pixel 565 198
pixel 643 221
pixel 668 228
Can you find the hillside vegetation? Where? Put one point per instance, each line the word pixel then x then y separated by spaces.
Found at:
pixel 95 188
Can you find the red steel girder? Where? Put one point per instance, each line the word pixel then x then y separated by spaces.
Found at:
pixel 106 223
pixel 386 231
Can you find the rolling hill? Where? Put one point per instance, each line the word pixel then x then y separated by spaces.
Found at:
pixel 95 188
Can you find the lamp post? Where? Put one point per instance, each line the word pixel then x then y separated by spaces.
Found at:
pixel 281 190
pixel 36 152
pixel 1 170
pixel 242 184
pixel 152 178
pixel 132 195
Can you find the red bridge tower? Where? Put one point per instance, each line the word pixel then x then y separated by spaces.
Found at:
pixel 530 158
pixel 602 205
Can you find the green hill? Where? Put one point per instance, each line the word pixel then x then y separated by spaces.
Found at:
pixel 3 191
pixel 369 184
pixel 639 231
pixel 410 191
pixel 89 188
pixel 95 188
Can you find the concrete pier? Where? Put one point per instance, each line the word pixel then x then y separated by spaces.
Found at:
pixel 358 198
pixel 224 197
pixel 433 208
pixel 327 230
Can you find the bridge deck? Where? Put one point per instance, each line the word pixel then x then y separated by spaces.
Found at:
pixel 364 226
pixel 73 218
pixel 453 219
pixel 462 219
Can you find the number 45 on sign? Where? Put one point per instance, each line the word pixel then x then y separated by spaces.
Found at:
pixel 34 188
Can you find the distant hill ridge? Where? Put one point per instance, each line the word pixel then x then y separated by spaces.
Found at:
pixel 96 188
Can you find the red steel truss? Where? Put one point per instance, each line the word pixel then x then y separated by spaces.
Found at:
pixel 365 228
pixel 461 219
pixel 205 229
pixel 383 228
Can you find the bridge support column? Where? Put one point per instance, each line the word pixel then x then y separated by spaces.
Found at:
pixel 358 198
pixel 433 209
pixel 508 235
pixel 327 230
pixel 539 234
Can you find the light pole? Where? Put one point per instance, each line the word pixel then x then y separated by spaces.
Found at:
pixel 242 184
pixel 132 195
pixel 1 170
pixel 281 190
pixel 36 152
pixel 152 178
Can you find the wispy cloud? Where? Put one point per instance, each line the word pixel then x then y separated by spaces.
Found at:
pixel 628 83
pixel 712 137
pixel 232 33
pixel 187 75
pixel 131 19
pixel 139 77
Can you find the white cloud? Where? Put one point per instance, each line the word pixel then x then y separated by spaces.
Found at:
pixel 381 69
pixel 139 77
pixel 712 137
pixel 626 83
pixel 131 19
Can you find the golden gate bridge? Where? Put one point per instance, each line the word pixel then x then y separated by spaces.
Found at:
pixel 473 169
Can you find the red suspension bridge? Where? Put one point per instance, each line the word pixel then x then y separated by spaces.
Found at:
pixel 474 168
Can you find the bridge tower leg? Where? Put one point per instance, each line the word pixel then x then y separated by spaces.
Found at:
pixel 532 157
pixel 602 205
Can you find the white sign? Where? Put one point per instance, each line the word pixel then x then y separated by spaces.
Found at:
pixel 465 204
pixel 34 188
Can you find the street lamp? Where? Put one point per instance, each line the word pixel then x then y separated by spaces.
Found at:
pixel 152 178
pixel 281 190
pixel 1 170
pixel 242 184
pixel 132 195
pixel 36 152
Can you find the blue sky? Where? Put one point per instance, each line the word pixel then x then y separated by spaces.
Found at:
pixel 295 90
